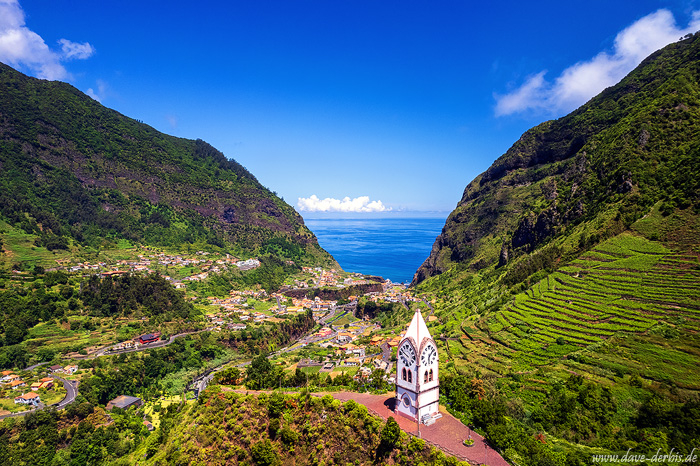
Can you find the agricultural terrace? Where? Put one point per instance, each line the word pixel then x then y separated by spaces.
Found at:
pixel 628 291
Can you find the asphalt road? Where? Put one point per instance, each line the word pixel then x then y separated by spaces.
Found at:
pixel 147 346
pixel 427 303
pixel 71 387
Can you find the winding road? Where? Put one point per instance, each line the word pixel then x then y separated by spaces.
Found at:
pixel 71 386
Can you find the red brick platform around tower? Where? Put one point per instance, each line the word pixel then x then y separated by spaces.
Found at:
pixel 447 433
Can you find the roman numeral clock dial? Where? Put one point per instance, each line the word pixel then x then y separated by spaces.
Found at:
pixel 428 356
pixel 408 354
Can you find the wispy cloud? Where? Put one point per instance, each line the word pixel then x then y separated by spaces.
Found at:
pixel 21 47
pixel 359 204
pixel 75 51
pixel 101 91
pixel 582 81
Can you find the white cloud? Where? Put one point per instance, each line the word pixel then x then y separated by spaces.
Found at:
pixel 75 51
pixel 359 204
pixel 21 47
pixel 582 81
pixel 100 93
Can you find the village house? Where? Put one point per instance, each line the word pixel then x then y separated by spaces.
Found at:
pixel 5 376
pixel 45 383
pixel 149 338
pixel 124 345
pixel 344 337
pixel 17 383
pixel 124 402
pixel 358 351
pixel 30 398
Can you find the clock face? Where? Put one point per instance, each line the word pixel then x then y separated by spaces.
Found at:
pixel 429 355
pixel 408 354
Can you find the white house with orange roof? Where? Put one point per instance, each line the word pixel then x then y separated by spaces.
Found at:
pixel 30 398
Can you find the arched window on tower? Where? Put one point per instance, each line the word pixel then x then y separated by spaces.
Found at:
pixel 431 375
pixel 410 376
pixel 403 374
pixel 425 377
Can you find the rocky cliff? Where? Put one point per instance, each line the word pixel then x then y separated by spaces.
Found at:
pixel 604 165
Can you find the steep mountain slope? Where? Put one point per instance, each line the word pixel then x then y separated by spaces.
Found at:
pixel 609 162
pixel 71 168
pixel 586 231
pixel 566 283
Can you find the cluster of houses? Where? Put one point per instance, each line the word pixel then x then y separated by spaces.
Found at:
pixel 248 264
pixel 236 302
pixel 135 343
pixel 323 277
pixel 347 352
pixel 87 267
pixel 393 293
pixel 146 264
pixel 14 382
pixel 68 370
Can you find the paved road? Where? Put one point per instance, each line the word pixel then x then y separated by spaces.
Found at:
pixel 447 433
pixel 31 368
pixel 147 346
pixel 71 387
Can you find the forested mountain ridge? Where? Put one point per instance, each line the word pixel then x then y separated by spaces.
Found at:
pixel 634 145
pixel 72 168
pixel 566 282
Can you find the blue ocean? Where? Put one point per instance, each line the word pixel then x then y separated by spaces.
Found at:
pixel 393 248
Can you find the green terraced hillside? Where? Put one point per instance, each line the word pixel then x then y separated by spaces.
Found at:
pixel 626 285
pixel 566 282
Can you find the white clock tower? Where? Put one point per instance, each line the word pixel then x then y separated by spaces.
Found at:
pixel 417 386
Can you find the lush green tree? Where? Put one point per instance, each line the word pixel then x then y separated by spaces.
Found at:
pixel 264 454
pixel 389 436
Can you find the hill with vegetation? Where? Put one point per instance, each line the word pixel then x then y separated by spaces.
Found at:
pixel 229 428
pixel 74 172
pixel 567 280
pixel 590 174
pixel 268 430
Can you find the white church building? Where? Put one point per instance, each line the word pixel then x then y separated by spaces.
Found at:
pixel 417 384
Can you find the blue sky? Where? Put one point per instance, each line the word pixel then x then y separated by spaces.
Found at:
pixel 351 106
